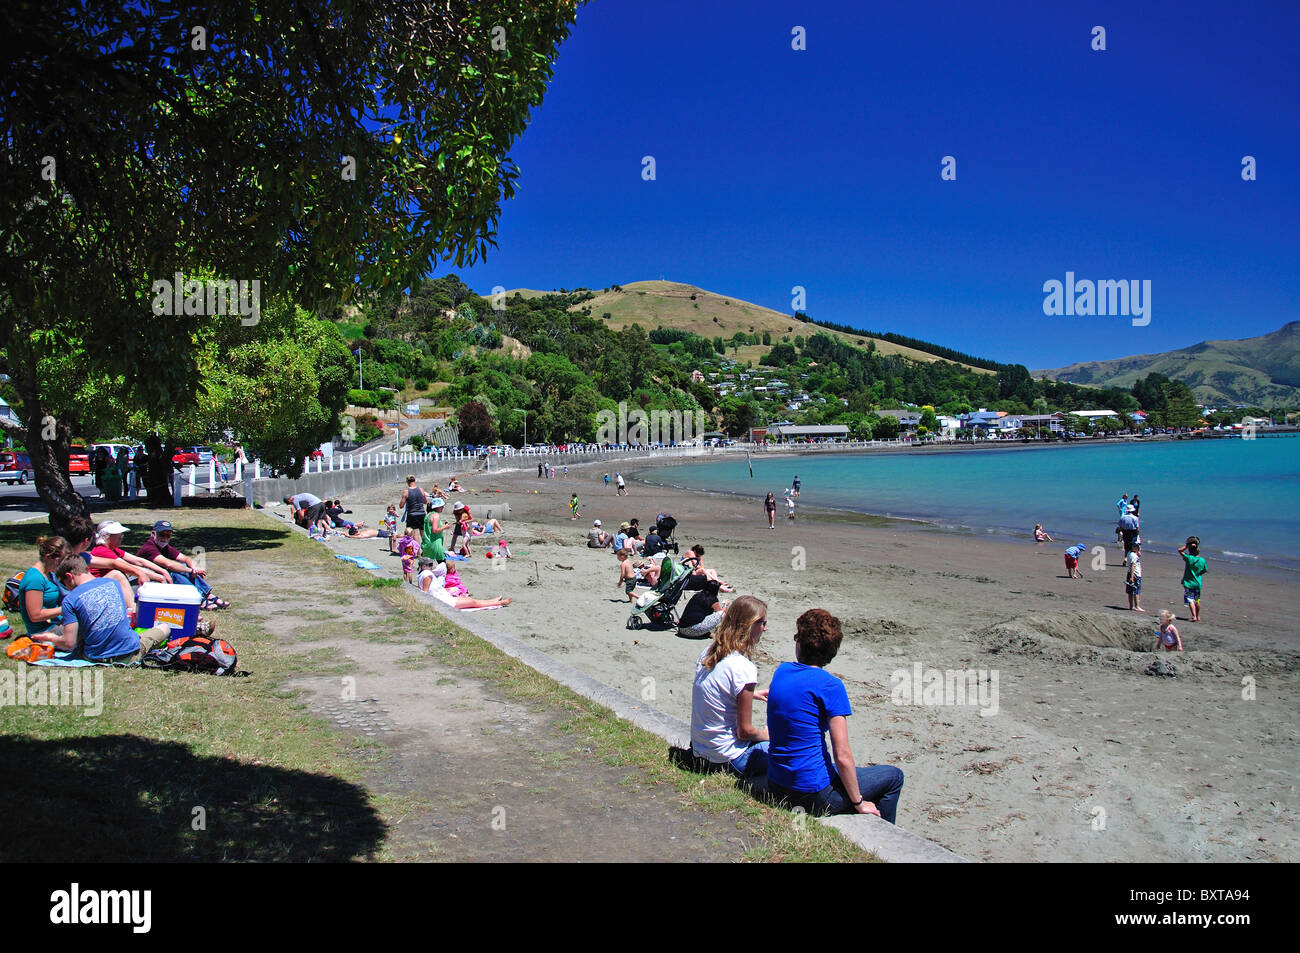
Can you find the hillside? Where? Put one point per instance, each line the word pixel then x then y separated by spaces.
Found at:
pixel 1260 371
pixel 669 304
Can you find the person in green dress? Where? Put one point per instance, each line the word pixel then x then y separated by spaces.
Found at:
pixel 432 543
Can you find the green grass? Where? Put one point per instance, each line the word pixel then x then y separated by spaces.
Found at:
pixel 189 767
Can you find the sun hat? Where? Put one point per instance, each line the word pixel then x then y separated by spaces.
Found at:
pixel 436 502
pixel 111 528
pixel 595 522
pixel 458 505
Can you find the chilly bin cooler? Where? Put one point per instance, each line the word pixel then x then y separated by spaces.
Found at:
pixel 178 606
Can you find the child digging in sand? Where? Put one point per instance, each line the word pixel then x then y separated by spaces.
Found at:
pixel 1193 569
pixel 1168 633
pixel 1072 560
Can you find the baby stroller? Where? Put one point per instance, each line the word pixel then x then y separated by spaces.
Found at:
pixel 660 607
pixel 667 526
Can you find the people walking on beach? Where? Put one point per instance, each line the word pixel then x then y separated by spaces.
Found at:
pixel 1168 633
pixel 566 470
pixel 804 702
pixel 1136 504
pixel 622 487
pixel 769 507
pixel 1193 569
pixel 539 471
pixel 1133 578
pixel 607 480
pixel 796 485
pixel 1040 535
pixel 573 507
pixel 789 504
pixel 1072 560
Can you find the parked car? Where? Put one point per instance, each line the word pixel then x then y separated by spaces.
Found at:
pixel 15 467
pixel 78 459
pixel 184 457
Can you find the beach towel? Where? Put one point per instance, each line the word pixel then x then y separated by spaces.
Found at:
pixel 458 558
pixel 359 560
pixel 65 660
pixel 482 608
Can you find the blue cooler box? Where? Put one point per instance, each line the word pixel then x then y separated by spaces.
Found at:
pixel 178 606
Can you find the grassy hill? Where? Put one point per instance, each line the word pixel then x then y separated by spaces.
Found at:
pixel 669 304
pixel 1261 371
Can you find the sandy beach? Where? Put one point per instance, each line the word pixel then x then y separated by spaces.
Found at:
pixel 1071 752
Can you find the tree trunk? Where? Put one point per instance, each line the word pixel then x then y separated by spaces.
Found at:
pixel 50 462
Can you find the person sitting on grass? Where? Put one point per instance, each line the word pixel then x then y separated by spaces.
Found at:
pixel 110 551
pixel 158 549
pixel 804 702
pixel 40 598
pixel 722 697
pixel 96 625
pixel 81 533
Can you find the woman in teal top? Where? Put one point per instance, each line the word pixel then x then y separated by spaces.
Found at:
pixel 39 596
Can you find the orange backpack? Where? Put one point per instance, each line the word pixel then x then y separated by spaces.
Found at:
pixel 25 650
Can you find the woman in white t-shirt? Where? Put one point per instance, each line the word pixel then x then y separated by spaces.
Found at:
pixel 722 700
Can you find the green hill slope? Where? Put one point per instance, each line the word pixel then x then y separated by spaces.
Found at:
pixel 671 304
pixel 1261 371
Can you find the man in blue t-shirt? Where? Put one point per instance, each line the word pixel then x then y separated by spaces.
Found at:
pixel 804 702
pixel 95 622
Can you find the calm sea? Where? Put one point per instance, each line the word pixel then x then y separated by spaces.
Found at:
pixel 1239 496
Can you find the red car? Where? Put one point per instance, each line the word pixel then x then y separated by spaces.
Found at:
pixel 15 466
pixel 185 456
pixel 78 460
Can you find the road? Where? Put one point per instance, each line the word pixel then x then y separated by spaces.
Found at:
pixel 21 502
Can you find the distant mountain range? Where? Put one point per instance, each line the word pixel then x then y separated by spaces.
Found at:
pixel 1258 372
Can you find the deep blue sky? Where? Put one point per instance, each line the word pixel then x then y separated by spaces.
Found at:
pixel 821 168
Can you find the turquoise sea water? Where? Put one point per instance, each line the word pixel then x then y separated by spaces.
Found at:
pixel 1239 496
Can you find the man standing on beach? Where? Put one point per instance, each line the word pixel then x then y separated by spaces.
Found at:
pixel 622 487
pixel 1128 530
pixel 795 486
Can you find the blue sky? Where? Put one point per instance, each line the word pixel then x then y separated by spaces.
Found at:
pixel 821 167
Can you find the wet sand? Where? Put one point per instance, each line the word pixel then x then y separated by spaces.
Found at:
pixel 1079 754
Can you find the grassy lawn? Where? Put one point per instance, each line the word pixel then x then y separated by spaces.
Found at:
pixel 277 782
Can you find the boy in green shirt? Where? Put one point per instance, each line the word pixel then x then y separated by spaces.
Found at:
pixel 1193 569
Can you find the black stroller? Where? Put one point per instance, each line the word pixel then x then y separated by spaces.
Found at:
pixel 667 526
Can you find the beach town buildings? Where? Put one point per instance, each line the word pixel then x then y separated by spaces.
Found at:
pixel 788 432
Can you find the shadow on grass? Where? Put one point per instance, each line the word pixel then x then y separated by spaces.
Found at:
pixel 214 539
pixel 125 798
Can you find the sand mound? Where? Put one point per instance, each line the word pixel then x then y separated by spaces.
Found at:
pixel 1117 642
